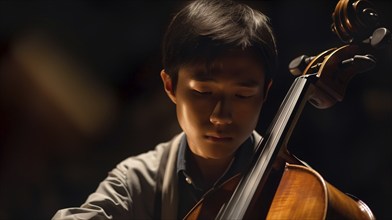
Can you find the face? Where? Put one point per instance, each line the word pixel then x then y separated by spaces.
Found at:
pixel 218 107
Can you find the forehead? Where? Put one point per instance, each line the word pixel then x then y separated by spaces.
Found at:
pixel 233 65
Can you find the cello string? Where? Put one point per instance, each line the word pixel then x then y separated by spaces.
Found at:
pixel 243 194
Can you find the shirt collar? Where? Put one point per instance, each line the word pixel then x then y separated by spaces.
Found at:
pixel 240 161
pixel 181 162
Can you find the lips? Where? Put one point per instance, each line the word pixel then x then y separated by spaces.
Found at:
pixel 218 138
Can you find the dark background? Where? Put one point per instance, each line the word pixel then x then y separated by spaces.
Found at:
pixel 80 91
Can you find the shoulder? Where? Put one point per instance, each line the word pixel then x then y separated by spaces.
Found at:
pixel 139 176
pixel 144 167
pixel 127 191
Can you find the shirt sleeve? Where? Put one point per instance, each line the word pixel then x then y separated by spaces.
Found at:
pixel 128 192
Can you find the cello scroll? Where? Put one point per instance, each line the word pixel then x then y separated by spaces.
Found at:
pixel 355 23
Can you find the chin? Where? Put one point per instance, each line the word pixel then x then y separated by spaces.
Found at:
pixel 219 154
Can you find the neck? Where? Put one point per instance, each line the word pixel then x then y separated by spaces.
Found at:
pixel 209 170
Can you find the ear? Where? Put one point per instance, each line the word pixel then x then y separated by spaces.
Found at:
pixel 168 85
pixel 267 90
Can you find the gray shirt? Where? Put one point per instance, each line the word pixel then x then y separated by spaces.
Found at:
pixel 129 190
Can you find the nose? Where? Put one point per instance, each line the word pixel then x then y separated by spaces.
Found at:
pixel 221 115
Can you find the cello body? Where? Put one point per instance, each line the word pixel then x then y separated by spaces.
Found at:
pixel 301 194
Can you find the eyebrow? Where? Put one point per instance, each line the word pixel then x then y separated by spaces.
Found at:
pixel 250 83
pixel 202 77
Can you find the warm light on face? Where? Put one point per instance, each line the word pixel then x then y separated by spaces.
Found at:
pixel 219 108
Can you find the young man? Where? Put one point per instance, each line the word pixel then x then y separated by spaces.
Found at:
pixel 218 57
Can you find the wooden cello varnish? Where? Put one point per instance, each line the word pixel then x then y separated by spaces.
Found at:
pixel 303 194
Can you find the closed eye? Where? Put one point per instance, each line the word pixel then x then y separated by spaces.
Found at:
pixel 202 92
pixel 244 96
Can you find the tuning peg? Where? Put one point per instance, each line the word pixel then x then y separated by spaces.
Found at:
pixel 361 62
pixel 380 38
pixel 298 65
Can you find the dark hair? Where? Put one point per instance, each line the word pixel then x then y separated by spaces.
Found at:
pixel 205 29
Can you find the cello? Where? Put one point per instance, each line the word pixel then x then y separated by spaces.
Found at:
pixel 278 185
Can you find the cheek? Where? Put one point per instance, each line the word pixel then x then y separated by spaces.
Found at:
pixel 247 114
pixel 192 113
